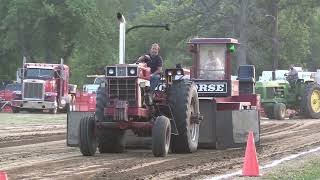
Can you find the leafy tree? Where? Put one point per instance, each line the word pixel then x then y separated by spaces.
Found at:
pixel 85 32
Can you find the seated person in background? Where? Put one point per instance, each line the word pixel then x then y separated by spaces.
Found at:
pixel 154 61
pixel 292 75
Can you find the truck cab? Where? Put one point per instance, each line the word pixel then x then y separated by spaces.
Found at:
pixel 44 87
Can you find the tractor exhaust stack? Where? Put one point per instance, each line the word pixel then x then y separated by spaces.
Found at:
pixel 122 38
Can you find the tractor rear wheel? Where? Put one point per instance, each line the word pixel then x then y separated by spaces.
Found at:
pixel 109 140
pixel 310 103
pixel 161 133
pixel 88 141
pixel 279 110
pixel 183 100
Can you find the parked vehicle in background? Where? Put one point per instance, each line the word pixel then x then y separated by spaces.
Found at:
pixel 85 100
pixel 44 87
pixel 90 88
pixel 301 95
pixel 7 95
pixel 10 91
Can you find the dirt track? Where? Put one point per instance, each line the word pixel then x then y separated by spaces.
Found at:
pixel 38 151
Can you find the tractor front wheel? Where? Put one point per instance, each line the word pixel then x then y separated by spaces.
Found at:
pixel 310 104
pixel 279 111
pixel 161 133
pixel 88 140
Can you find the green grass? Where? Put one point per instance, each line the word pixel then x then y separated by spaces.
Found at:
pixel 309 170
pixel 21 118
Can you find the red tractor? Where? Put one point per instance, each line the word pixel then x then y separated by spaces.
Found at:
pixel 125 101
pixel 44 87
pixel 230 108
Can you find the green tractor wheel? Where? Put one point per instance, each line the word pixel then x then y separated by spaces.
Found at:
pixel 279 110
pixel 310 103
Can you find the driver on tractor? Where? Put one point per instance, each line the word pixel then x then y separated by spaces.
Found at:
pixel 154 61
pixel 292 76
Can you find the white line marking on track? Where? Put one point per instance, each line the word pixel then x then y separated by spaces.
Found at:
pixel 272 164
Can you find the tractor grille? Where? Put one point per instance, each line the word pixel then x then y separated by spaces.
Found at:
pixel 279 92
pixel 123 89
pixel 33 90
pixel 121 71
pixel 270 93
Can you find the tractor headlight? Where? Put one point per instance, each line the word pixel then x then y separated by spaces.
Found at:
pixel 132 71
pixel 111 71
pixel 169 73
pixel 179 72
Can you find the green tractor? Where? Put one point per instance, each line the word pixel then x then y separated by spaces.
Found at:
pixel 300 95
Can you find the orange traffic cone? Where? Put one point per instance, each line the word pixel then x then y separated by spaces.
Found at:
pixel 250 165
pixel 3 175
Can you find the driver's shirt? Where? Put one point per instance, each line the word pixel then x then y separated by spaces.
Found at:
pixel 154 63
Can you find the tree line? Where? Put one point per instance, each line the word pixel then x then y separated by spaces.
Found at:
pixel 85 32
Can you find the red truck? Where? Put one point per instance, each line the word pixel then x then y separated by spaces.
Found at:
pixel 44 87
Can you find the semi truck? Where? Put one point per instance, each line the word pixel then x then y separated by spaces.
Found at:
pixel 44 87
